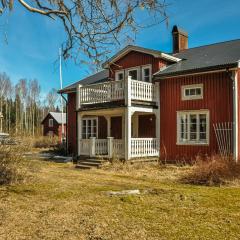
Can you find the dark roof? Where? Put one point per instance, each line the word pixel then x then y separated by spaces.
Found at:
pixel 209 57
pixel 98 77
pixel 57 116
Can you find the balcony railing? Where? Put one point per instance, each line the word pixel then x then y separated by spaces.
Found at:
pixel 117 90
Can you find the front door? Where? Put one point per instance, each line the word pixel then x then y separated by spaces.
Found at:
pixel 116 127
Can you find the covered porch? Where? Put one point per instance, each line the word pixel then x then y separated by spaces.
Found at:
pixel 124 133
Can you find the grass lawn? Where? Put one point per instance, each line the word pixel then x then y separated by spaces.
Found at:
pixel 60 202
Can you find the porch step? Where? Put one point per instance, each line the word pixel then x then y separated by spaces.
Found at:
pixel 89 163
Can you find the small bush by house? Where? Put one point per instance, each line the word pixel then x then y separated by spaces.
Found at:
pixel 213 171
pixel 12 168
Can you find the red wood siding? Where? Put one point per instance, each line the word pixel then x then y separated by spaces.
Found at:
pixel 72 123
pixel 146 126
pixel 116 127
pixel 102 127
pixel 238 82
pixel 133 59
pixel 217 89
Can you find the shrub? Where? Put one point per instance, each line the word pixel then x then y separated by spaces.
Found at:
pixel 11 164
pixel 45 142
pixel 213 171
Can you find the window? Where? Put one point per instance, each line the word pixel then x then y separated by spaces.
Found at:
pixel 133 73
pixel 190 92
pixel 193 127
pixel 50 133
pixel 89 128
pixel 50 122
pixel 146 74
pixel 119 75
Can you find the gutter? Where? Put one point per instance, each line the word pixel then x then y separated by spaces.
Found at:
pixel 66 101
pixel 159 76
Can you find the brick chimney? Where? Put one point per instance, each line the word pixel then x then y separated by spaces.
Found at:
pixel 180 39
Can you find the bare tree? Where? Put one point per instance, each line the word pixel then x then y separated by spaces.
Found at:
pixel 52 99
pixel 93 26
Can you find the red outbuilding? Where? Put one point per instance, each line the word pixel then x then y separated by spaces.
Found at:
pixel 53 123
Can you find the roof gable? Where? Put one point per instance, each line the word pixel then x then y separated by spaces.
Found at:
pixel 130 48
pixel 57 116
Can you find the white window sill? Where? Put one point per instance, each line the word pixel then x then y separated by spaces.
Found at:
pixel 192 144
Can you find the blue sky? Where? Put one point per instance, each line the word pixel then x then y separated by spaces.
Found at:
pixel 33 40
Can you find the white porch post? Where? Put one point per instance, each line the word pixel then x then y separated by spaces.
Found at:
pixel 92 146
pixel 110 147
pixel 128 119
pixel 79 125
pixel 108 118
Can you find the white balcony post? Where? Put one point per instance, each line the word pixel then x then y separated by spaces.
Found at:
pixel 78 98
pixel 110 147
pixel 128 91
pixel 92 146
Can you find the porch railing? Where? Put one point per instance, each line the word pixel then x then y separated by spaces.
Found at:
pixel 140 147
pixel 117 90
pixel 144 147
pixel 118 148
pixel 101 146
pixel 85 146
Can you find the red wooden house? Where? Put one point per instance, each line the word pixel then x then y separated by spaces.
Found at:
pixel 52 125
pixel 149 103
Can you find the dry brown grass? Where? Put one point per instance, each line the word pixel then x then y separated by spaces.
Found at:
pixel 213 171
pixel 61 202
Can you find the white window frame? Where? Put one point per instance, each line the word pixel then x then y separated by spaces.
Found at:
pixel 50 122
pixel 117 74
pixel 134 68
pixel 149 66
pixel 50 133
pixel 189 87
pixel 188 141
pixel 86 119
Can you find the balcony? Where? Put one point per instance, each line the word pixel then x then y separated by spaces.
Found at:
pixel 126 90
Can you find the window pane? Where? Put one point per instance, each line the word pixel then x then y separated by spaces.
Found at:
pixel 198 91
pixel 187 92
pixel 192 91
pixel 193 127
pixel 133 74
pixel 203 127
pixel 120 76
pixel 184 128
pixel 146 74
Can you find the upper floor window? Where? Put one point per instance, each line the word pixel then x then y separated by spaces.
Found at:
pixel 146 74
pixel 193 127
pixel 50 122
pixel 119 76
pixel 191 92
pixel 133 73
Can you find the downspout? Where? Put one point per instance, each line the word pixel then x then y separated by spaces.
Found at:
pixel 66 122
pixel 234 77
